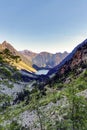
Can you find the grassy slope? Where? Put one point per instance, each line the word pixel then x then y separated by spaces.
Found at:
pixel 21 65
pixel 56 90
pixel 16 61
pixel 53 94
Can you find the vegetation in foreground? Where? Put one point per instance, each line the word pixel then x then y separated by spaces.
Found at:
pixel 68 112
pixel 60 104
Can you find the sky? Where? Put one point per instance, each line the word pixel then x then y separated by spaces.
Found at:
pixel 43 25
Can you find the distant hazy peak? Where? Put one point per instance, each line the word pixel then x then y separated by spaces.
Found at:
pixel 28 52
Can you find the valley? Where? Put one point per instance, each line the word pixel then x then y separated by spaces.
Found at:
pixel 40 92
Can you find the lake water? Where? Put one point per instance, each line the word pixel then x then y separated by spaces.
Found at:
pixel 44 72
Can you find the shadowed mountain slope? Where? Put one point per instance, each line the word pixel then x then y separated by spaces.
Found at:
pixel 77 57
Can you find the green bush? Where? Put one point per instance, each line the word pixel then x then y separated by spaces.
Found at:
pixel 5 72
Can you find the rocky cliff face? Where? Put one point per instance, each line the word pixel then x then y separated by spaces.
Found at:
pixel 29 54
pixel 7 45
pixel 78 57
pixel 44 59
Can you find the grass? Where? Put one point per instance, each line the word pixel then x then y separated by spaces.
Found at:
pixel 53 94
pixel 7 56
pixel 21 65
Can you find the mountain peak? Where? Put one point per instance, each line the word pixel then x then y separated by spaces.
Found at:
pixel 24 64
pixel 4 42
pixel 77 56
pixel 7 45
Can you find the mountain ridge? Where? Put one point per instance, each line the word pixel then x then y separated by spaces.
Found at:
pixel 24 62
pixel 59 97
pixel 45 59
pixel 68 58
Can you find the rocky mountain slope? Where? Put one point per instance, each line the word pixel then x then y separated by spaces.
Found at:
pixel 24 63
pixel 57 103
pixel 29 54
pixel 77 57
pixel 44 59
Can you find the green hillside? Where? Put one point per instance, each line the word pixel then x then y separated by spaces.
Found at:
pixel 59 103
pixel 71 111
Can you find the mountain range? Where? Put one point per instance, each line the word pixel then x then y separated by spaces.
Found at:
pixel 55 101
pixel 44 59
pixel 35 60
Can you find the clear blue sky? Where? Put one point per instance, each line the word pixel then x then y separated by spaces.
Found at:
pixel 43 25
